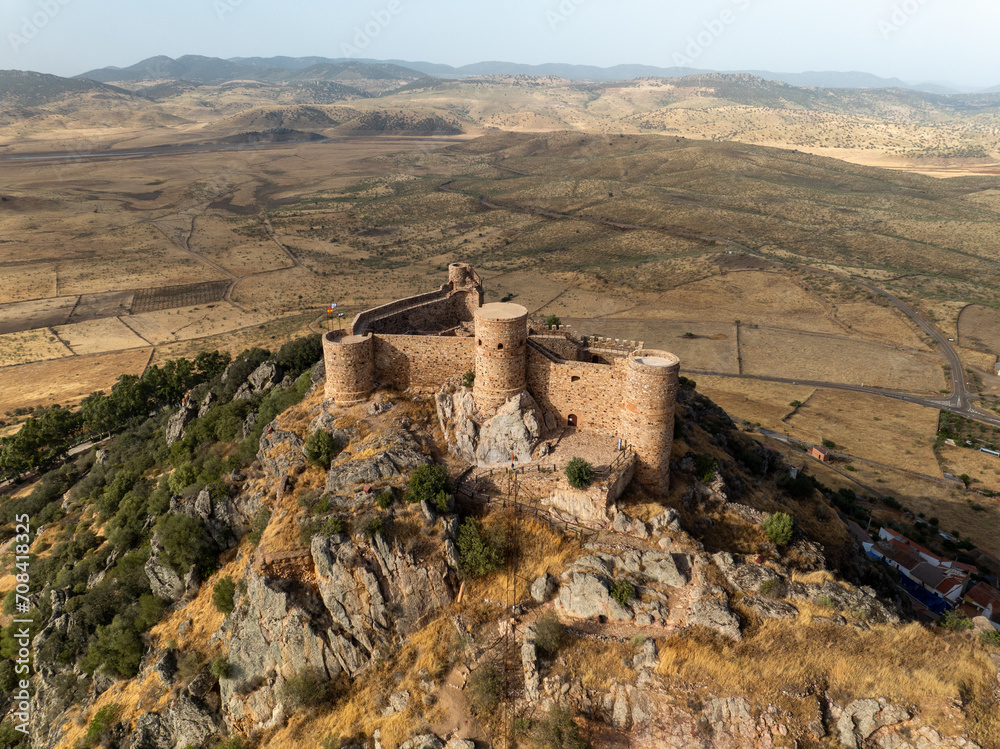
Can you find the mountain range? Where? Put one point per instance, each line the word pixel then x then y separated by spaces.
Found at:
pixel 210 70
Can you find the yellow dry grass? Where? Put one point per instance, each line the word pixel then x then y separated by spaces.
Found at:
pixel 134 698
pixel 599 665
pixel 66 381
pixel 30 346
pixel 269 335
pixel 186 323
pixel 430 648
pixel 979 328
pixel 983 468
pixel 99 336
pixel 869 426
pixel 827 359
pixel 904 664
pixel 885 324
pixel 764 403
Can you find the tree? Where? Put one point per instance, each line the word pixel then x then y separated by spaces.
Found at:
pixel 558 730
pixel 479 551
pixel 579 473
pixel 321 448
pixel 552 321
pixel 779 528
pixel 185 543
pixel 426 482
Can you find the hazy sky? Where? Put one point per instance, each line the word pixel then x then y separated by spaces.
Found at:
pixel 916 40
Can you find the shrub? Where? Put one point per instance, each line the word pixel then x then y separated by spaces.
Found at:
pixel 705 468
pixel 186 543
pixel 321 448
pixel 955 620
pixel 101 724
pixel 796 404
pixel 623 592
pixel 385 499
pixel 260 521
pixel 220 667
pixel 335 526
pixel 426 482
pixel 469 379
pixel 778 528
pixel 769 587
pixel 552 321
pixel 485 689
pixel 306 688
pixel 990 637
pixel 579 473
pixel 549 633
pixel 558 730
pixel 479 551
pixel 829 444
pixel 222 595
pixel 374 527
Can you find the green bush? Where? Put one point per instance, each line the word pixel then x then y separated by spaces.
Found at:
pixel 485 689
pixel 385 499
pixel 479 552
pixel 469 379
pixel 549 633
pixel 321 448
pixel 955 620
pixel 579 473
pixel 779 528
pixel 186 543
pixel 557 730
pixel 829 444
pixel 101 724
pixel 623 592
pixel 990 637
pixel 222 595
pixel 260 521
pixel 335 526
pixel 426 482
pixel 220 667
pixel 374 527
pixel 307 688
pixel 552 321
pixel 705 468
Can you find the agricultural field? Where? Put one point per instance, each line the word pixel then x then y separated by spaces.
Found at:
pixel 99 336
pixel 982 468
pixel 29 346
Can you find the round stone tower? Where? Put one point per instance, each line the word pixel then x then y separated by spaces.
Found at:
pixel 651 383
pixel 501 354
pixel 461 275
pixel 350 367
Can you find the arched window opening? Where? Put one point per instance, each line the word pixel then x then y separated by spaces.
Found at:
pixel 574 378
pixel 572 420
pixel 500 347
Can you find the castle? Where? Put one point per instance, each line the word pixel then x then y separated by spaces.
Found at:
pixel 611 388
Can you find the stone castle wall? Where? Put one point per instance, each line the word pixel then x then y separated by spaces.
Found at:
pixel 591 392
pixel 647 421
pixel 422 362
pixel 441 310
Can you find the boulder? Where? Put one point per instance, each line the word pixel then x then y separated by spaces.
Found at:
pixel 862 718
pixel 267 375
pixel 395 455
pixel 586 596
pixel 398 702
pixel 206 404
pixel 544 588
pixel 511 435
pixel 149 733
pixel 667 521
pixel 770 608
pixel 188 721
pixel 280 451
pixel 163 579
pixel 710 608
pixel 457 743
pixel 529 663
pixel 426 741
pixel 629 526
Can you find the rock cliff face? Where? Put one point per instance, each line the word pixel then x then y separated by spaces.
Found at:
pixel 508 436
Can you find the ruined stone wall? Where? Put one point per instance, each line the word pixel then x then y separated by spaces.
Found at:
pixel 563 347
pixel 433 312
pixel 647 413
pixel 501 346
pixel 350 369
pixel 422 362
pixel 591 392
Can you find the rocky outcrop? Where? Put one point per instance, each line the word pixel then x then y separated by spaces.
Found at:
pixel 862 718
pixel 266 376
pixel 223 520
pixel 510 435
pixel 280 451
pixel 163 579
pixel 710 609
pixel 176 423
pixel 389 457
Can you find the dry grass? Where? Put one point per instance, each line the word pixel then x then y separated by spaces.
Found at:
pixel 432 648
pixel 907 665
pixel 764 403
pixel 66 381
pixel 597 664
pixel 871 427
pixel 824 359
pixel 30 346
pixel 984 469
pixel 185 323
pixel 979 328
pixel 99 336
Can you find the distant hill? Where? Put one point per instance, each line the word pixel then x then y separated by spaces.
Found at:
pixel 28 89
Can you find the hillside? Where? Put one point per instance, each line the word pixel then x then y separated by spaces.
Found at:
pixel 26 89
pixel 210 575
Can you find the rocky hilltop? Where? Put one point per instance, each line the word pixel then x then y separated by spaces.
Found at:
pixel 304 575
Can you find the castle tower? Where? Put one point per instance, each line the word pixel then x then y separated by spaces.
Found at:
pixel 350 367
pixel 501 354
pixel 647 422
pixel 461 275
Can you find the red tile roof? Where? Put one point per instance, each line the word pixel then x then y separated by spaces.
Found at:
pixel 983 595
